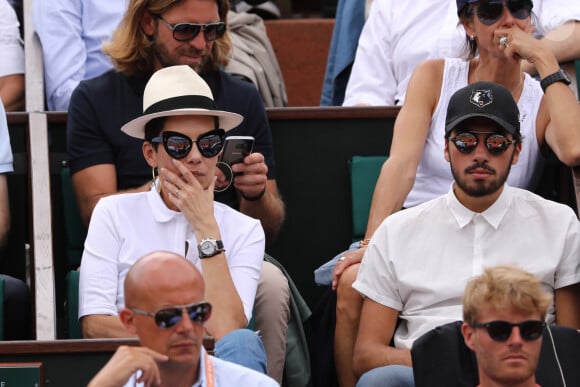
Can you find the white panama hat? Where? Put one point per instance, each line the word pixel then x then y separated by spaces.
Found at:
pixel 178 91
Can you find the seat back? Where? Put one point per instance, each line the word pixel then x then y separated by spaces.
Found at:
pixel 1 308
pixel 75 230
pixel 76 233
pixel 441 358
pixel 364 171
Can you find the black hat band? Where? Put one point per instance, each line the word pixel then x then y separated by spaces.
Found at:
pixel 181 102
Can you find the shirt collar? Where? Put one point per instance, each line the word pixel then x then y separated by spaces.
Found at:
pixel 493 215
pixel 201 381
pixel 161 213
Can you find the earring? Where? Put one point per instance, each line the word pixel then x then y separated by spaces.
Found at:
pixel 471 37
pixel 155 181
pixel 228 174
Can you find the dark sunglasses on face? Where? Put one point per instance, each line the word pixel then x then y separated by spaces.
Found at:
pixel 489 12
pixel 496 143
pixel 184 32
pixel 178 145
pixel 198 312
pixel 530 330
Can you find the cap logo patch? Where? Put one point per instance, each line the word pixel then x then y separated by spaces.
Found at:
pixel 481 98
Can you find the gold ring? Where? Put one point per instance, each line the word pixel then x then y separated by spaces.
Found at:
pixel 341 258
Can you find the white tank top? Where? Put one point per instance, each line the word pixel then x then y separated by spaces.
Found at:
pixel 434 177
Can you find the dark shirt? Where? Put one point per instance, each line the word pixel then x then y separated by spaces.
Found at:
pixel 100 106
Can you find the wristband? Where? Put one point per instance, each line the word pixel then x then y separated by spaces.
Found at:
pixel 254 198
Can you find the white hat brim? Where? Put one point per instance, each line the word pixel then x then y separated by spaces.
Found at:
pixel 227 120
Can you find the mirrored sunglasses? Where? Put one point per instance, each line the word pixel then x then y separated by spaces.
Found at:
pixel 184 32
pixel 168 317
pixel 496 143
pixel 178 145
pixel 489 12
pixel 501 330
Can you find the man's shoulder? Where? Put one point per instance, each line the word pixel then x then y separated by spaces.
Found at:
pixel 238 375
pixel 112 81
pixel 537 203
pixel 220 81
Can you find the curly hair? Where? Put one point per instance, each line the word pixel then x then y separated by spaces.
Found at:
pixel 505 286
pixel 132 51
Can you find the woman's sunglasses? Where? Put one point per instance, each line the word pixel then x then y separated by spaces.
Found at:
pixel 489 12
pixel 178 145
pixel 496 143
pixel 501 330
pixel 184 32
pixel 198 312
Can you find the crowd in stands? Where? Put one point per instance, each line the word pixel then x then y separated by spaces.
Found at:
pixel 152 91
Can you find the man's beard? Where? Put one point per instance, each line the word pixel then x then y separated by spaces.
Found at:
pixel 166 60
pixel 479 189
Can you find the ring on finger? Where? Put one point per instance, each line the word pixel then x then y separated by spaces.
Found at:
pixel 177 192
pixel 503 41
pixel 341 258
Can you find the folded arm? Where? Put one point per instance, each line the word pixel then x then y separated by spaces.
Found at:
pixel 376 328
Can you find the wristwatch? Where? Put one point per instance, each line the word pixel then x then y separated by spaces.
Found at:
pixel 558 76
pixel 210 248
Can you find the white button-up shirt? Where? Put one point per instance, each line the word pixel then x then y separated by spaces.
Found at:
pixel 420 259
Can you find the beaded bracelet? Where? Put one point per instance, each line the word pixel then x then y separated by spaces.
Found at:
pixel 364 243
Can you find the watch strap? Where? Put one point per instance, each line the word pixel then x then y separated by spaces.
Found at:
pixel 219 248
pixel 558 76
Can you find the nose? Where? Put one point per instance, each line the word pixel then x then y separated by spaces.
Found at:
pixel 199 41
pixel 507 16
pixel 480 152
pixel 185 324
pixel 515 337
pixel 193 156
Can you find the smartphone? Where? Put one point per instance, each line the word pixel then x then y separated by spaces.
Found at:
pixel 236 148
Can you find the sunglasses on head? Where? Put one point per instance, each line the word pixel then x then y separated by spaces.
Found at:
pixel 178 145
pixel 489 12
pixel 501 330
pixel 184 32
pixel 496 143
pixel 198 312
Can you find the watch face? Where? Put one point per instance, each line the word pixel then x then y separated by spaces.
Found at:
pixel 207 247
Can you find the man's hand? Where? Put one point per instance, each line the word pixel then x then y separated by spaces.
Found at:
pixel 251 181
pixel 125 362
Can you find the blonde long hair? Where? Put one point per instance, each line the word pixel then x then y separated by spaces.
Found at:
pixel 132 51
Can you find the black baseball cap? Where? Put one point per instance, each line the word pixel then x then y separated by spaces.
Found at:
pixel 483 99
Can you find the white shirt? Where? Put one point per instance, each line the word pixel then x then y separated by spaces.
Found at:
pixel 420 259
pixel 11 45
pixel 72 33
pixel 5 148
pixel 125 227
pixel 226 374
pixel 434 173
pixel 398 35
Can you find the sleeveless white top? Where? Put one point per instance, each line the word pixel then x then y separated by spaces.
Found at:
pixel 434 172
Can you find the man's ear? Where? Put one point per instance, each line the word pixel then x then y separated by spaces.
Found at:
pixel 126 317
pixel 467 332
pixel 147 23
pixel 446 149
pixel 517 150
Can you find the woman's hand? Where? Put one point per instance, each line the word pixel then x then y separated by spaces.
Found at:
pixel 347 259
pixel 187 194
